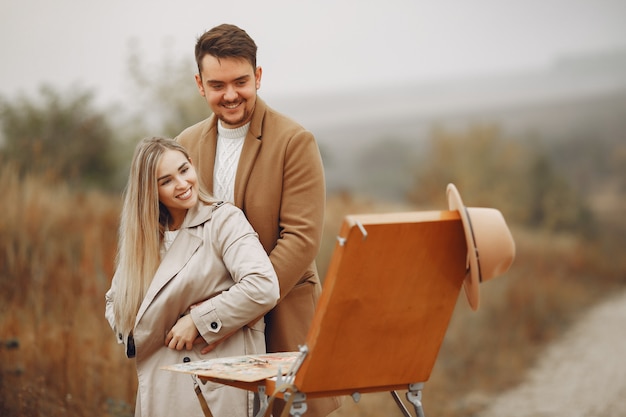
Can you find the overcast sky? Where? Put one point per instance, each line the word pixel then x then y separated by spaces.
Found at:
pixel 304 46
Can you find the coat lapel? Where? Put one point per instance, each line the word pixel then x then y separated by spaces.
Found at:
pixel 182 249
pixel 184 246
pixel 249 152
pixel 207 149
pixel 205 165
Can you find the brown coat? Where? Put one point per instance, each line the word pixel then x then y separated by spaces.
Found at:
pixel 216 258
pixel 280 186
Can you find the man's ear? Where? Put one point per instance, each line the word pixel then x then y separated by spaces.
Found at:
pixel 199 85
pixel 257 77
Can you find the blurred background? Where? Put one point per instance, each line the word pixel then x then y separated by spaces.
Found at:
pixel 521 104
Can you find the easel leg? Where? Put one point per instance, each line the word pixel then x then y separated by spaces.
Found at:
pixel 260 401
pixel 414 395
pixel 400 404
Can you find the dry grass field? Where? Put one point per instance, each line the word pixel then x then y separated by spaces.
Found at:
pixel 56 260
pixel 58 356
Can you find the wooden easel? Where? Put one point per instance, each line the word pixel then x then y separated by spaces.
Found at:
pixel 387 300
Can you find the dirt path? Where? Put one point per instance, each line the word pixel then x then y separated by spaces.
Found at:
pixel 583 374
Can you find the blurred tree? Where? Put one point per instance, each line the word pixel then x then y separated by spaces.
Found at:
pixel 552 201
pixel 518 177
pixel 384 169
pixel 58 136
pixel 478 161
pixel 166 92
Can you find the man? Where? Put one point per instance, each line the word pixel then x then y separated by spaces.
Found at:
pixel 270 167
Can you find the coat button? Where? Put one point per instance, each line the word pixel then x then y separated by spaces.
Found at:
pixel 119 336
pixel 213 325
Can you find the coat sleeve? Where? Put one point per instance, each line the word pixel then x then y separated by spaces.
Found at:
pixel 255 285
pixel 108 312
pixel 301 211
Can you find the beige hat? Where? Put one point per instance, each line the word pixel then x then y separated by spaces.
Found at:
pixel 490 246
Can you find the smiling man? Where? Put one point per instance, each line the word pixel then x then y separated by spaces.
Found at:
pixel 269 166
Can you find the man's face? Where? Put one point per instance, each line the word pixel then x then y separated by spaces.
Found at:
pixel 229 87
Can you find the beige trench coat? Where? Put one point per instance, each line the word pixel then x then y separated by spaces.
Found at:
pixel 214 244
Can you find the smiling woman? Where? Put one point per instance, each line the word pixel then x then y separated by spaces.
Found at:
pixel 178 186
pixel 191 280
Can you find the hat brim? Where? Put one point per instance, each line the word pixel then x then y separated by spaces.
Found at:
pixel 472 279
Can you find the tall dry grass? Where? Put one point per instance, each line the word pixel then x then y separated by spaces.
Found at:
pixel 58 356
pixel 57 247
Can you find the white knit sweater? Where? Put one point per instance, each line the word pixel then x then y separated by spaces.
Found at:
pixel 229 144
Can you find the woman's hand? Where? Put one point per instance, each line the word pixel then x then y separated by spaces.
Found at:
pixel 183 334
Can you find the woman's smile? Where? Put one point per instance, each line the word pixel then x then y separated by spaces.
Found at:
pixel 186 195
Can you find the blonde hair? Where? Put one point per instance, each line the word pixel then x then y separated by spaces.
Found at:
pixel 142 225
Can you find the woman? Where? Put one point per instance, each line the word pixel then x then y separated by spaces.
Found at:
pixel 189 271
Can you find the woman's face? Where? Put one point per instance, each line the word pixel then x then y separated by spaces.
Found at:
pixel 177 183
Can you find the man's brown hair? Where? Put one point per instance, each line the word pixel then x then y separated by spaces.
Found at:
pixel 226 41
